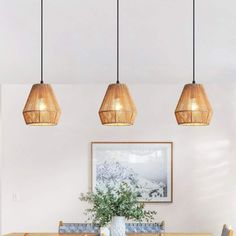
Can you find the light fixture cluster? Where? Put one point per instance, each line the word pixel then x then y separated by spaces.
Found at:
pixel 118 108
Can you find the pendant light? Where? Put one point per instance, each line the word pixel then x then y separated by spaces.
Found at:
pixel 41 108
pixel 118 108
pixel 193 108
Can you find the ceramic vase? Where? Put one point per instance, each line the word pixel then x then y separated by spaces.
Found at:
pixel 118 226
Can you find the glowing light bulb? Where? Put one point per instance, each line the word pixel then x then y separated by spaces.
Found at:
pixel 41 104
pixel 194 105
pixel 117 104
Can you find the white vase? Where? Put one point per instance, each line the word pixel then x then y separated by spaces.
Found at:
pixel 104 231
pixel 118 226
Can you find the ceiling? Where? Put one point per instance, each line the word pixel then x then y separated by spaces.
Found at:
pixel 80 41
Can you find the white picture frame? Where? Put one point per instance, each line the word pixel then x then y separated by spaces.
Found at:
pixel 146 166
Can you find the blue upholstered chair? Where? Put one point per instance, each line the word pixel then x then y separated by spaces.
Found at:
pixel 70 228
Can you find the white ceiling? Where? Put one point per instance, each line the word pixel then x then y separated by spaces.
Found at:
pixel 80 41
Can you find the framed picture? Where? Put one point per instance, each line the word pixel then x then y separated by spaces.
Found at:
pixel 146 166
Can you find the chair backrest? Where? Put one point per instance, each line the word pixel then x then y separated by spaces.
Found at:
pixel 70 228
pixel 145 227
pixel 226 231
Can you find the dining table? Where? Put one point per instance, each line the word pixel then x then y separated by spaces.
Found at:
pixel 92 234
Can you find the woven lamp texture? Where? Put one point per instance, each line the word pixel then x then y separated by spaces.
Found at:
pixel 41 108
pixel 118 108
pixel 193 108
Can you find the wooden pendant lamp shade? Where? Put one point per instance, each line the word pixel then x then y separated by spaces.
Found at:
pixel 117 108
pixel 41 108
pixel 193 107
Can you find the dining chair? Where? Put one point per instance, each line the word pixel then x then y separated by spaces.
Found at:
pixel 226 231
pixel 145 227
pixel 70 228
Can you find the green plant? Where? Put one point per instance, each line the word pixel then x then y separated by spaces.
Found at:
pixel 115 201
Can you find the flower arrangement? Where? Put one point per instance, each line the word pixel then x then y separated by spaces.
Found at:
pixel 115 201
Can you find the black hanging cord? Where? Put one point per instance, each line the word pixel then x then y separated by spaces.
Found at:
pixel 118 46
pixel 194 42
pixel 41 42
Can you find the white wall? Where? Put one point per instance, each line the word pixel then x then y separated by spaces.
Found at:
pixel 80 40
pixel 48 167
pixel 1 150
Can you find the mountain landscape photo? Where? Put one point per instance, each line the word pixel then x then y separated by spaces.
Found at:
pixel 112 172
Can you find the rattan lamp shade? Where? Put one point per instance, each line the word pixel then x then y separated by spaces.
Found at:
pixel 193 107
pixel 117 108
pixel 41 108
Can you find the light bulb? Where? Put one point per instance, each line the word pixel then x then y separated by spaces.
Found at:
pixel 41 104
pixel 194 104
pixel 117 104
